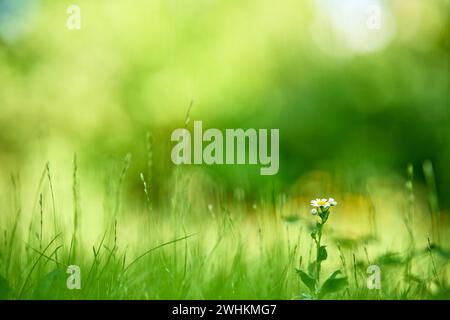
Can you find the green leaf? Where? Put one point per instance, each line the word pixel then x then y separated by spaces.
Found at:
pixel 391 258
pixel 322 254
pixel 51 285
pixel 4 289
pixel 307 280
pixel 325 216
pixel 312 269
pixel 332 284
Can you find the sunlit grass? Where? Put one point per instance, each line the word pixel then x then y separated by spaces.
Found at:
pixel 195 246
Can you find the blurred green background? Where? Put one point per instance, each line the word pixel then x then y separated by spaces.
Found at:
pixel 348 100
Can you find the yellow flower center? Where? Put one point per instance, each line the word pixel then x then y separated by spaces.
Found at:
pixel 321 202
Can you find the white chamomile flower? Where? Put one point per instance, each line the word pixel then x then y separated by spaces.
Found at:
pixel 332 202
pixel 314 211
pixel 317 203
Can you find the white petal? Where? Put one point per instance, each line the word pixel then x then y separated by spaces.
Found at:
pixel 332 202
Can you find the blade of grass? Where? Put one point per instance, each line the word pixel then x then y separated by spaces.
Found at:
pixel 35 264
pixel 155 248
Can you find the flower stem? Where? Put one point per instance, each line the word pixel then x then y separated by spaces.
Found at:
pixel 318 262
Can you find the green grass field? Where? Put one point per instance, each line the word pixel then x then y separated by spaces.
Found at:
pixel 204 244
pixel 354 93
